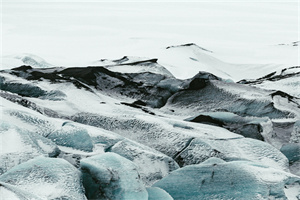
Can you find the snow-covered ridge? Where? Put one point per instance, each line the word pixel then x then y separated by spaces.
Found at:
pixel 189 44
pixel 23 59
pixel 181 61
pixel 286 80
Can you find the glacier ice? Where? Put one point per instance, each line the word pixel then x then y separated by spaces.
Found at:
pixel 217 179
pixel 124 149
pixel 73 136
pixel 251 127
pixel 110 176
pixel 143 157
pixel 46 178
pixel 156 193
pixel 187 145
pixel 291 151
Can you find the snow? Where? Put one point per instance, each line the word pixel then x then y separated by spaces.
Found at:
pixel 290 85
pixel 12 61
pixel 6 194
pixel 11 137
pixel 237 32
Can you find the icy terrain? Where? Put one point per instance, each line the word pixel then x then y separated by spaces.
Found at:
pixel 154 100
pixel 134 132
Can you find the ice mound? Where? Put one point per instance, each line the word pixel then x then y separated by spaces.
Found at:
pixel 72 136
pixel 110 176
pixel 45 178
pixel 216 179
pixel 143 157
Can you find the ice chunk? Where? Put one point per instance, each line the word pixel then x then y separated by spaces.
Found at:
pixel 156 193
pixel 46 178
pixel 295 135
pixel 110 176
pixel 221 180
pixel 250 149
pixel 291 151
pixel 73 136
pixel 143 157
pixel 198 150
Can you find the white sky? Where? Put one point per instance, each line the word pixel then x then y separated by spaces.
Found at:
pixel 65 33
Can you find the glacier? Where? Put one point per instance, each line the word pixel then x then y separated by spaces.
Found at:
pixel 130 129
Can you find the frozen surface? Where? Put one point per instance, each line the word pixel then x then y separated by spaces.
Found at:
pixel 71 136
pixel 12 61
pixel 19 145
pixel 46 178
pixel 250 127
pixel 216 179
pixel 156 193
pixel 175 60
pixel 143 157
pixel 110 176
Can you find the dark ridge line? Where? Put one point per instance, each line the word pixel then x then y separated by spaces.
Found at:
pixel 28 104
pixel 154 60
pixel 270 77
pixel 138 106
pixel 187 45
pixel 187 145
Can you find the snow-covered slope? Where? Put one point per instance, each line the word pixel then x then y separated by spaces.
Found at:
pixel 184 61
pixel 286 80
pixel 133 65
pixel 11 61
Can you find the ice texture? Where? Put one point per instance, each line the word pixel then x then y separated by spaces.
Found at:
pixel 110 176
pixel 73 136
pixel 18 146
pixel 291 151
pixel 46 178
pixel 216 179
pixel 251 127
pixel 151 164
pixel 156 193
